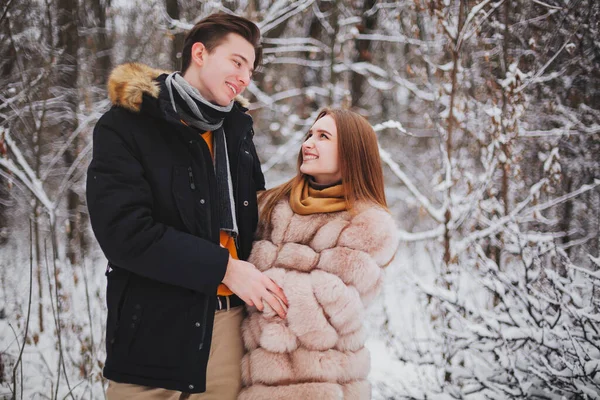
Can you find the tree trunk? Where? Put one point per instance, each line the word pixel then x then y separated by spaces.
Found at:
pixel 102 42
pixel 333 76
pixel 177 43
pixel 363 51
pixel 450 130
pixel 68 68
pixel 8 57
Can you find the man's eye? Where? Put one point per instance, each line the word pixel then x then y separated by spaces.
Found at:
pixel 237 63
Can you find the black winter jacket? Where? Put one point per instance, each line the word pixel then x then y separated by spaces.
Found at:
pixel 151 197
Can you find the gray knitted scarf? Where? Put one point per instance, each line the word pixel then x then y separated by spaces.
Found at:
pixel 205 116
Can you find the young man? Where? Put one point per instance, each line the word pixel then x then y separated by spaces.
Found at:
pixel 171 192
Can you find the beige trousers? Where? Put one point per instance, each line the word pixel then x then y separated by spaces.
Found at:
pixel 224 373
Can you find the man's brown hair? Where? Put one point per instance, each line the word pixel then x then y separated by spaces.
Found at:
pixel 212 31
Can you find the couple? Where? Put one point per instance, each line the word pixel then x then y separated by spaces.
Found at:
pixel 172 196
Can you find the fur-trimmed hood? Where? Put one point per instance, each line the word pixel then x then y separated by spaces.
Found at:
pixel 330 267
pixel 128 83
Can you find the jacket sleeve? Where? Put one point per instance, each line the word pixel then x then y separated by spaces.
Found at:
pixel 120 204
pixel 374 232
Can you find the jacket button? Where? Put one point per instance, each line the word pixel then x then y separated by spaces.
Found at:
pixel 191 387
pixel 202 201
pixel 245 203
pixel 197 324
pixel 137 306
pixel 246 151
pixel 134 317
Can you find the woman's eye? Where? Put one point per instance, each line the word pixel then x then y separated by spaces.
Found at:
pixel 323 136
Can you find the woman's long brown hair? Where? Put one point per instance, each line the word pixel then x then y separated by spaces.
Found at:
pixel 360 165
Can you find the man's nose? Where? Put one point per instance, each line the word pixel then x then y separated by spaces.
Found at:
pixel 245 78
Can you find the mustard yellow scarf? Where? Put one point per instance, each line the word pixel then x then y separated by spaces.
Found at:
pixel 305 200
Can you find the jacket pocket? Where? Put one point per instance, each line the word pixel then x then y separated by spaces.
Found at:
pixel 183 198
pixel 116 293
pixel 159 325
pixel 192 200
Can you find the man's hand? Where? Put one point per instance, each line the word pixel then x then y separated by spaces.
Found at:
pixel 252 286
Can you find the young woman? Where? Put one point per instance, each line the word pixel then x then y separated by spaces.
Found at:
pixel 324 238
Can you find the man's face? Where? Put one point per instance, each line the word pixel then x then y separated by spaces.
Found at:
pixel 225 72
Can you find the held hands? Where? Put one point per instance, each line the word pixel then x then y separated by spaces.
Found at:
pixel 254 287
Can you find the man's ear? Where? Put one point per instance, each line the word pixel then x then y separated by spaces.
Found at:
pixel 198 53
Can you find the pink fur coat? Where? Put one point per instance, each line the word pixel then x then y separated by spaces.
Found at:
pixel 330 267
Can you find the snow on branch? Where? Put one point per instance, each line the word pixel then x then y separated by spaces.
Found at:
pixel 499 223
pixel 13 169
pixel 364 68
pixel 563 198
pixel 284 150
pixel 270 101
pixel 395 39
pixel 535 77
pixel 548 133
pixel 274 18
pixel 572 118
pixel 297 41
pixel 291 48
pixel 420 236
pixel 67 181
pixel 92 118
pixel 391 124
pixel 25 172
pixel 547 5
pixel 296 61
pixel 464 35
pixel 176 24
pixel 436 214
pixel 271 21
pixel 33 186
pixel 591 274
pixel 520 211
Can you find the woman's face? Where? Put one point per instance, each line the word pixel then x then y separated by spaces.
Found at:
pixel 320 158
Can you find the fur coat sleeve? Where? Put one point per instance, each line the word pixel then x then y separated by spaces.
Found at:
pixel 330 268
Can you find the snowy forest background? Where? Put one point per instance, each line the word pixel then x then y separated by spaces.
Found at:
pixel 488 115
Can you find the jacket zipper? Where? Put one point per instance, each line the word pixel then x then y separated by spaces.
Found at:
pixel 210 192
pixel 237 185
